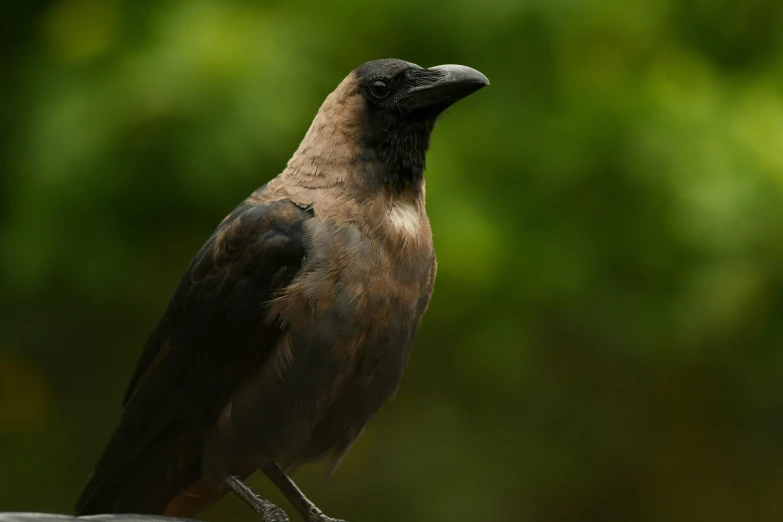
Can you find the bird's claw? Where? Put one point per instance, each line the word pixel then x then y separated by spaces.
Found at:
pixel 316 515
pixel 275 514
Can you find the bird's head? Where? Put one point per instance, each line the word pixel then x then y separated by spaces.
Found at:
pixel 403 91
pixel 383 114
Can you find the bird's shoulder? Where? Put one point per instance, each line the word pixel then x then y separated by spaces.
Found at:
pixel 255 228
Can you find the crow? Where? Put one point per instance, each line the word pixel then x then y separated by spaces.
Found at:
pixel 295 320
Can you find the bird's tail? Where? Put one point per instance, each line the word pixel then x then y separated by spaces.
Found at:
pixel 144 483
pixel 98 497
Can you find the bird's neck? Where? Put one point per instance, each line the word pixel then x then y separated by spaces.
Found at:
pixel 340 148
pixel 395 154
pixel 397 169
pixel 394 169
pixel 365 174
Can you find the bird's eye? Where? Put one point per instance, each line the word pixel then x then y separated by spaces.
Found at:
pixel 379 89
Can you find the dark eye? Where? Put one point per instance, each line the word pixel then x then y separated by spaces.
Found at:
pixel 379 89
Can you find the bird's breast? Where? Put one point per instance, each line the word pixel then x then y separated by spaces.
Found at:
pixel 362 275
pixel 405 219
pixel 350 317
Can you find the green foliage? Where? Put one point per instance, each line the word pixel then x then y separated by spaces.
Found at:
pixel 604 342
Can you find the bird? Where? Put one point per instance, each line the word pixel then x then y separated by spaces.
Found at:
pixel 294 322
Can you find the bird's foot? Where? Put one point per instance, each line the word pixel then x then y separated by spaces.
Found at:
pixel 265 509
pixel 272 513
pixel 316 515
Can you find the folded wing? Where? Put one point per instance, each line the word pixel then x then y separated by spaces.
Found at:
pixel 215 332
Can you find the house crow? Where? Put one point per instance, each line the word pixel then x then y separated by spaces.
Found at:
pixel 294 322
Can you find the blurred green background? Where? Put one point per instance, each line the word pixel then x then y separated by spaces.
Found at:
pixel 605 341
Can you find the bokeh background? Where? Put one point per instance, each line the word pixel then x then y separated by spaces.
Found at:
pixel 605 342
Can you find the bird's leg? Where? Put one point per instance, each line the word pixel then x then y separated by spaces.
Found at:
pixel 268 511
pixel 303 505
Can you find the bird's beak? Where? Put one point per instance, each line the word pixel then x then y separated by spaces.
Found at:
pixel 438 87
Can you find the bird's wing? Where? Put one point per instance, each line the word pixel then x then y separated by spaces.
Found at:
pixel 214 333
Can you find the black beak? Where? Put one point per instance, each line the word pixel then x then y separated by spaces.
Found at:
pixel 439 87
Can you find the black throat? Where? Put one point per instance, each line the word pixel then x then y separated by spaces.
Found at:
pixel 396 149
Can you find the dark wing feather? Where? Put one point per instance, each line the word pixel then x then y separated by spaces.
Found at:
pixel 214 333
